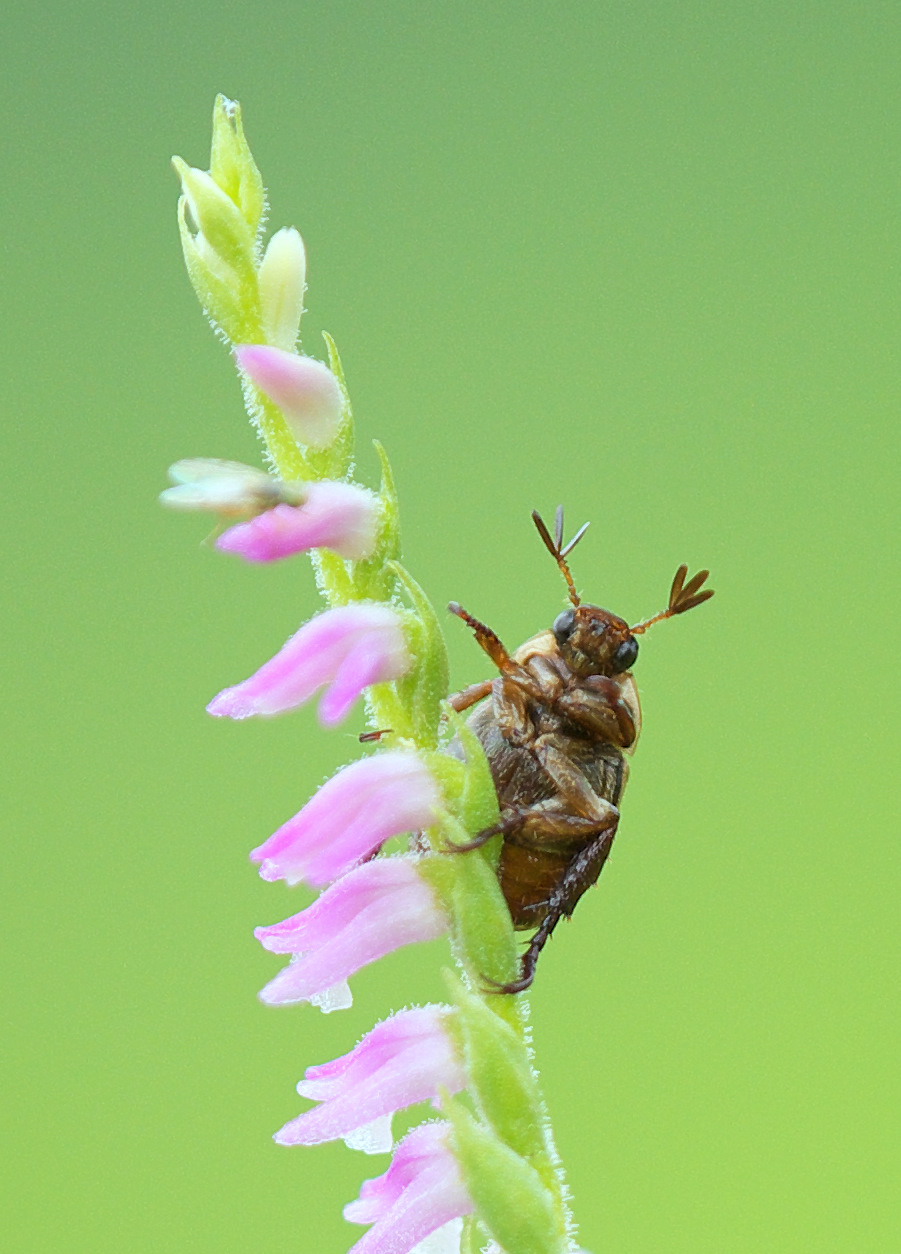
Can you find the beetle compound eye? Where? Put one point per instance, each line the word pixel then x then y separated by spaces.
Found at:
pixel 563 625
pixel 625 655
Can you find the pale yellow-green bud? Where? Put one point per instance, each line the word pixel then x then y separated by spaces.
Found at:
pixel 228 298
pixel 282 281
pixel 232 166
pixel 217 217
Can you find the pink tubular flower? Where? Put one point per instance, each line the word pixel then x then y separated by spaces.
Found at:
pixel 304 389
pixel 420 1192
pixel 403 1060
pixel 373 910
pixel 336 516
pixel 350 817
pixel 347 648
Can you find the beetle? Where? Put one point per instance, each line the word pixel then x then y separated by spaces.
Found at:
pixel 562 716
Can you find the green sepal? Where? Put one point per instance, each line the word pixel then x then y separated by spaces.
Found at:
pixel 426 687
pixel 450 774
pixel 478 801
pixel 337 459
pixel 218 219
pixel 385 709
pixel 389 511
pixel 230 303
pixel 232 165
pixel 374 577
pixel 501 1081
pixel 332 577
pixel 509 1196
pixel 482 936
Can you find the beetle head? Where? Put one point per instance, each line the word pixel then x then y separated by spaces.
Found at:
pixel 593 641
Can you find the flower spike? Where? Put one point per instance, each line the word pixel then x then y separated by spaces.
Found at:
pixel 493 1153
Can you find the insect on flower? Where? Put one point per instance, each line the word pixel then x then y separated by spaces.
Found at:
pixel 562 716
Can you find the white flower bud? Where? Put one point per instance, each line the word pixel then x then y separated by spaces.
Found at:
pixel 281 277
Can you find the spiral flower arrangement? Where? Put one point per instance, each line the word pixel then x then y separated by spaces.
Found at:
pixel 484 1174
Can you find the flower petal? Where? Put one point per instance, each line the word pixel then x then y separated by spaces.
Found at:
pixel 420 1193
pixel 363 643
pixel 336 516
pixel 282 280
pixel 371 911
pixel 404 1060
pixel 350 817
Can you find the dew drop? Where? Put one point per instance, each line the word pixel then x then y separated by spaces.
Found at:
pixel 338 997
pixel 372 1138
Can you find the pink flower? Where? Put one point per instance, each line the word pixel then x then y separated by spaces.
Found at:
pixel 347 648
pixel 305 390
pixel 420 1192
pixel 373 910
pixel 403 1060
pixel 351 817
pixel 336 516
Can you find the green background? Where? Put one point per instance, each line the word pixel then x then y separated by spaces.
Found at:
pixel 639 258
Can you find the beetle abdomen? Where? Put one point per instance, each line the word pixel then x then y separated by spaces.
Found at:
pixel 528 876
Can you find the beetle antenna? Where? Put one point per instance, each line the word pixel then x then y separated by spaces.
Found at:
pixel 557 549
pixel 682 597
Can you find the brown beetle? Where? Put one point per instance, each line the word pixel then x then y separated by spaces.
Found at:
pixel 562 714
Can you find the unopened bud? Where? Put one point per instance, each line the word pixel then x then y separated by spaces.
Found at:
pixel 282 280
pixel 305 390
pixel 232 166
pixel 229 299
pixel 216 216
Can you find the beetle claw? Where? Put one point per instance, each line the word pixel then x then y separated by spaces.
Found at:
pixel 514 986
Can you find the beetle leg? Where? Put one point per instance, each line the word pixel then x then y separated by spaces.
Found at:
pixel 485 637
pixel 598 705
pixel 575 813
pixel 573 788
pixel 512 711
pixel 504 825
pixel 551 823
pixel 469 696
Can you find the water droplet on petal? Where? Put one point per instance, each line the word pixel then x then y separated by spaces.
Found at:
pixel 338 997
pixel 372 1138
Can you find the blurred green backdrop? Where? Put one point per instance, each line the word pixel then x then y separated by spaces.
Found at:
pixel 640 258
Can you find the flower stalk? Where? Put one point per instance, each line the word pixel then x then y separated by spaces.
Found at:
pixel 488 1168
